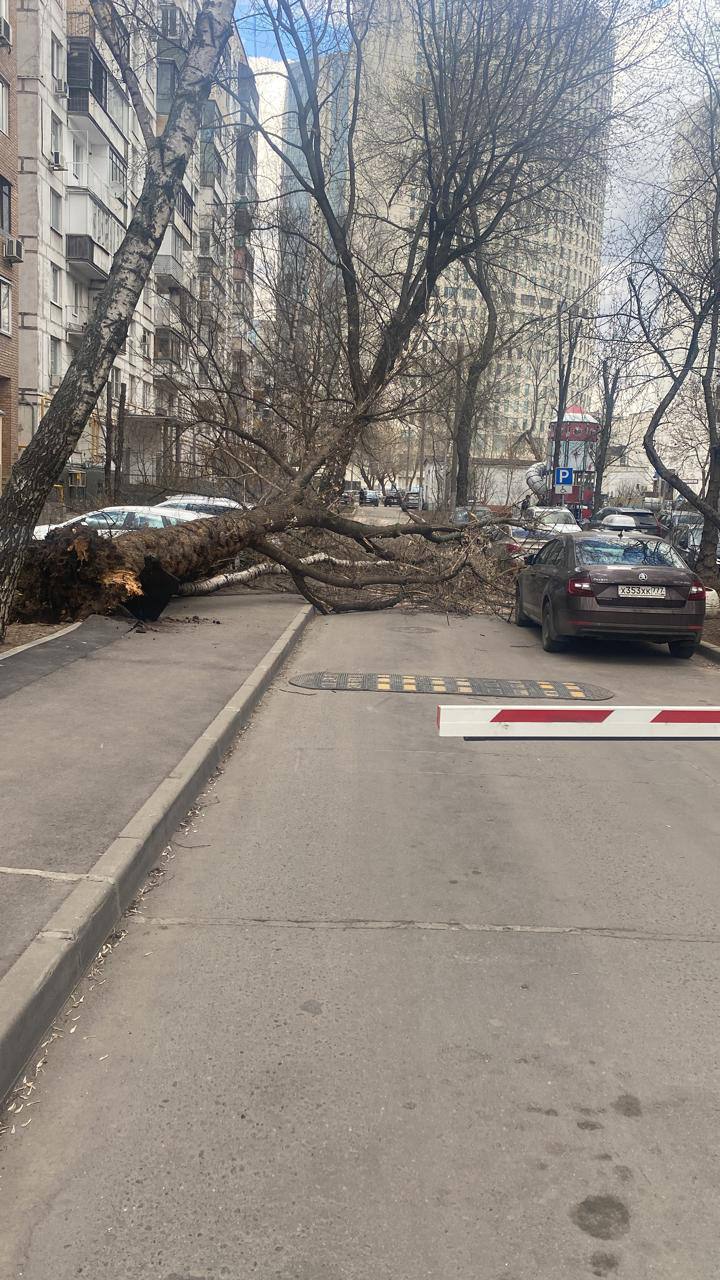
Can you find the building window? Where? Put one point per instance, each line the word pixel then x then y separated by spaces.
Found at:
pixel 118 173
pixel 54 357
pixel 115 383
pixel 55 210
pixel 77 159
pixel 57 61
pixel 55 285
pixel 5 307
pixel 55 135
pixel 166 83
pixel 5 206
pixel 169 24
pixel 4 106
pixel 185 206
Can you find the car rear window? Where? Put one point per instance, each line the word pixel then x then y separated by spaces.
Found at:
pixel 628 550
pixel 555 517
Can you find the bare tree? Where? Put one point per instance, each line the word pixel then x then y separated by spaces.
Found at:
pixel 569 331
pixel 393 181
pixel 675 288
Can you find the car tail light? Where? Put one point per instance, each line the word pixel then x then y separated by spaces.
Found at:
pixel 697 590
pixel 513 548
pixel 580 587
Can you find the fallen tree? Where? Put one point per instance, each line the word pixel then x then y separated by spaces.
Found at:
pixel 458 168
pixel 77 572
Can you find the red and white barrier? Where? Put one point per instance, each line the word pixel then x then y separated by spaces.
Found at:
pixel 577 722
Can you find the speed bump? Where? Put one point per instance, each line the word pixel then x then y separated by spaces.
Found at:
pixel 467 686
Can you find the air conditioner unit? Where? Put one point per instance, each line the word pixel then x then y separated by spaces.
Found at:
pixel 14 251
pixel 57 161
pixel 61 89
pixel 6 32
pixel 55 379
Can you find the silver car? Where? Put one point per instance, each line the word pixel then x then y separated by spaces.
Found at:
pixel 112 521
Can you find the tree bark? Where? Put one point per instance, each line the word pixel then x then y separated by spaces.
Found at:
pixel 108 443
pixel 463 431
pixel 120 445
pixel 707 555
pixel 610 390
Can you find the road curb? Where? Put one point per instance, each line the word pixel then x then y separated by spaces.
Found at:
pixel 34 990
pixel 709 651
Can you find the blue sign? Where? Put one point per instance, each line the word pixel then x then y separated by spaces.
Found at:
pixel 563 479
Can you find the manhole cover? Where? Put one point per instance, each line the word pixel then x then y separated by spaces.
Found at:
pixel 466 686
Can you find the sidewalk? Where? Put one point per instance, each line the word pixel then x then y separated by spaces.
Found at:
pixel 93 721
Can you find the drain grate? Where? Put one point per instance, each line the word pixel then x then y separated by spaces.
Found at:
pixel 466 686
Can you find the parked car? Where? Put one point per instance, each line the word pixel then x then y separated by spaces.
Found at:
pixel 372 499
pixel 511 544
pixel 598 583
pixel 413 500
pixel 203 504
pixel 393 498
pixel 112 521
pixel 687 539
pixel 549 519
pixel 645 520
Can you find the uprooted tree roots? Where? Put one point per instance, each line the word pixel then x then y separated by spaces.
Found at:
pixel 335 563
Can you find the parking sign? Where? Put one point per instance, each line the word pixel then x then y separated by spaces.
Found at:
pixel 563 479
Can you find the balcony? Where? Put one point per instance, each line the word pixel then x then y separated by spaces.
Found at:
pixel 86 258
pixel 95 93
pixel 213 170
pixel 76 322
pixel 169 273
pixel 243 265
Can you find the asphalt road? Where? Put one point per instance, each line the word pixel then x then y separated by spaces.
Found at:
pixel 403 1008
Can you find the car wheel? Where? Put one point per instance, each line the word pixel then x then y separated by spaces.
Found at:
pixel 551 642
pixel 520 618
pixel 683 648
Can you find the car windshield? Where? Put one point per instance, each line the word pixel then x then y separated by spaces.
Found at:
pixel 628 551
pixel 555 517
pixel 148 520
pixel 104 519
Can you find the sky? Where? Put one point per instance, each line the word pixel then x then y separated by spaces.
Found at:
pixel 259 43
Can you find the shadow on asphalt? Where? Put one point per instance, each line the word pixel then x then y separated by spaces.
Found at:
pixel 615 650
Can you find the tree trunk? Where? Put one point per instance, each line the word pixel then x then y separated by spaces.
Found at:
pixel 120 444
pixel 42 461
pixel 610 389
pixel 707 555
pixel 74 574
pixel 108 443
pixel 463 431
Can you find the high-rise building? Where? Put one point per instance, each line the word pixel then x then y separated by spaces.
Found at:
pixel 11 250
pixel 553 261
pixel 81 172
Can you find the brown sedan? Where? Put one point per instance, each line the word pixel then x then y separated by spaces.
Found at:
pixel 600 584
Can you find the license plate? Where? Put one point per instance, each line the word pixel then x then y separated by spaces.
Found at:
pixel 637 593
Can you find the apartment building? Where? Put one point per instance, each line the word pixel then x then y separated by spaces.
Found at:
pixel 81 172
pixel 11 250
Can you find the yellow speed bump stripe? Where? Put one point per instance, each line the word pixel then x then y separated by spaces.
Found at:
pixel 464 686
